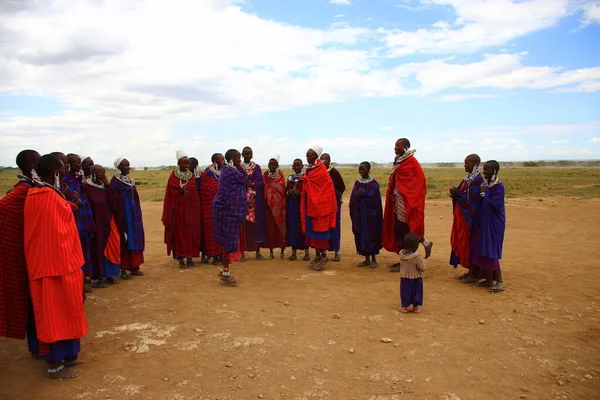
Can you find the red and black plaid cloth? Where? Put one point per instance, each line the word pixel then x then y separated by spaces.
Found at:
pixel 14 282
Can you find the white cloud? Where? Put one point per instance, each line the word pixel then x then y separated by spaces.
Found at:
pixel 130 70
pixel 459 97
pixel 561 141
pixel 340 2
pixel 595 140
pixel 591 13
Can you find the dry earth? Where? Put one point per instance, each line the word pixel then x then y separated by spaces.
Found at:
pixel 289 333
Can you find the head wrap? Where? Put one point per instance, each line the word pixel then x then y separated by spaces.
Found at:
pixel 276 157
pixel 317 149
pixel 118 162
pixel 180 154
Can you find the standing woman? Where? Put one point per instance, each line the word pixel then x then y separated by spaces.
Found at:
pixel 255 230
pixel 129 216
pixel 366 213
pixel 340 188
pixel 209 183
pixel 318 207
pixel 83 211
pixel 293 191
pixel 275 210
pixel 230 207
pixel 465 205
pixel 101 198
pixel 54 259
pixel 181 213
pixel 14 284
pixel 488 238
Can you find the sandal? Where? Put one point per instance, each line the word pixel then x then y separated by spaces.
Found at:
pixel 315 261
pixel 428 250
pixel 364 264
pixel 395 267
pixel 485 284
pixel 337 258
pixel 99 285
pixel 374 265
pixel 306 257
pixel 61 373
pixel 321 265
pixel 204 260
pixel 416 309
pixel 293 257
pixel 463 276
pixel 403 310
pixel 125 276
pixel 469 281
pixel 228 279
pixel 259 257
pixel 137 272
pixel 497 288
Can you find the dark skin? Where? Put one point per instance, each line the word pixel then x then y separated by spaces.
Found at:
pixel 311 156
pixel 326 158
pixel 31 164
pixel 184 164
pixel 297 167
pixel 364 172
pixel 125 167
pixel 273 165
pixel 488 172
pixel 99 175
pixel 469 164
pixel 193 165
pixel 74 164
pixel 220 160
pixel 400 147
pixel 247 154
pixel 86 165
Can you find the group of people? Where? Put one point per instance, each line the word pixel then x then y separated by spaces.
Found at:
pixel 64 229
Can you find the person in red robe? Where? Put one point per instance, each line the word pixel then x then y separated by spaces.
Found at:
pixel 318 207
pixel 181 213
pixel 275 208
pixel 14 284
pixel 209 184
pixel 405 202
pixel 54 259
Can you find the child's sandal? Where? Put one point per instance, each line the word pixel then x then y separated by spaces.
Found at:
pixel 403 310
pixel 416 309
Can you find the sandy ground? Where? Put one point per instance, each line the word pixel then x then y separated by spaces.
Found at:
pixel 289 333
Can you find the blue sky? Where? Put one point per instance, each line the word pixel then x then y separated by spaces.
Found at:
pixel 508 79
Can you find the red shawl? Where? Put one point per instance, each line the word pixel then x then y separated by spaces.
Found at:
pixel 409 178
pixel 181 199
pixel 14 285
pixel 54 261
pixel 318 199
pixel 275 199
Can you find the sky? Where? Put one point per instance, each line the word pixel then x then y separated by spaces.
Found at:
pixel 507 79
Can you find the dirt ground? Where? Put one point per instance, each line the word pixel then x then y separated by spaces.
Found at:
pixel 289 333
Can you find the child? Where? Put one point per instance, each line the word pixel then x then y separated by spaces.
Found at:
pixel 411 275
pixel 366 213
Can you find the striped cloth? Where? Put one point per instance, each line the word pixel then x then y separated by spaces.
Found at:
pixel 208 190
pixel 230 207
pixel 14 285
pixel 54 259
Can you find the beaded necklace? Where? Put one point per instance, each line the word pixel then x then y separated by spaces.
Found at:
pixel 90 182
pixel 407 154
pixel 53 188
pixel 364 181
pixel 216 172
pixel 124 178
pixel 273 175
pixel 249 165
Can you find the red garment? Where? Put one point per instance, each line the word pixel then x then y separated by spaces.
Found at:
pixel 318 199
pixel 276 211
pixel 181 217
pixel 409 178
pixel 14 285
pixel 54 261
pixel 460 238
pixel 208 190
pixel 112 251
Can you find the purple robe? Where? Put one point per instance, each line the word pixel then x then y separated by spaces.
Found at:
pixel 490 226
pixel 366 213
pixel 256 232
pixel 102 204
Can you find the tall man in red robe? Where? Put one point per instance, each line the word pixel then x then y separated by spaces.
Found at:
pixel 405 202
pixel 54 259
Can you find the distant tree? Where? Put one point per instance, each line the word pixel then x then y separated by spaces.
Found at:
pixel 530 164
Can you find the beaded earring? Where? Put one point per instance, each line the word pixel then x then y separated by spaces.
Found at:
pixel 56 181
pixel 34 175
